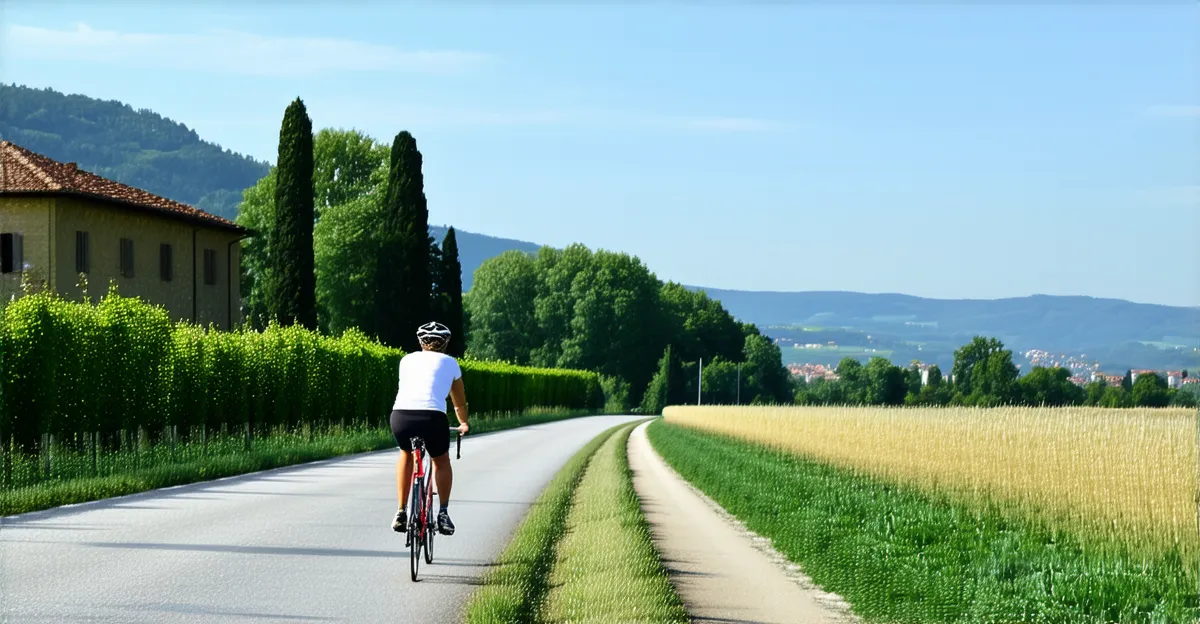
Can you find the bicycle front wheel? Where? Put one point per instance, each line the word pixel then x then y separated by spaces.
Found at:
pixel 416 526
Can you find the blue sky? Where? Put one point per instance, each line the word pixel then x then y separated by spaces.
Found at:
pixel 958 152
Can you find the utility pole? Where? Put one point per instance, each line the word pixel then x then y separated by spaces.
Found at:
pixel 667 385
pixel 739 384
pixel 700 381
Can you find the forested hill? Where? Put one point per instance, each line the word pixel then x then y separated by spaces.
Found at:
pixel 137 147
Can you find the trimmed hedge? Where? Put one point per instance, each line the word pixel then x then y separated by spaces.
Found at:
pixel 121 365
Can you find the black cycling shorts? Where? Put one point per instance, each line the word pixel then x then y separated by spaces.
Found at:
pixel 431 425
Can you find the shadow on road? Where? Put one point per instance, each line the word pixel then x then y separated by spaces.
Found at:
pixel 252 550
pixel 195 609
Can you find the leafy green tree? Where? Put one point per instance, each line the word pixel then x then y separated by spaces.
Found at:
pixel 501 304
pixel 720 379
pixel 702 328
pixel 1094 392
pixel 912 379
pixel 346 247
pixel 555 305
pixel 984 373
pixel 852 381
pixel 1050 387
pixel 1186 397
pixel 654 399
pixel 404 286
pixel 765 378
pixel 886 384
pixel 1116 396
pixel 994 380
pixel 292 279
pixel 1150 390
pixel 449 296
pixel 617 326
pixel 348 165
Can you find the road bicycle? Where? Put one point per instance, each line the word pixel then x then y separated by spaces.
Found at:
pixel 421 522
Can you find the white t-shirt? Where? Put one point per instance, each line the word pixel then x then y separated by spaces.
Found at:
pixel 425 379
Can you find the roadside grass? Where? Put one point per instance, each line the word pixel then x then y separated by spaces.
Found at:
pixel 899 554
pixel 120 473
pixel 513 591
pixel 271 452
pixel 584 553
pixel 606 568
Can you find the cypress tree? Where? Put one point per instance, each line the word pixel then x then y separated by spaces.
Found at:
pixel 292 280
pixel 449 294
pixel 404 283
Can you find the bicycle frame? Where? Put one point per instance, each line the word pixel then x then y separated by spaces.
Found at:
pixel 421 504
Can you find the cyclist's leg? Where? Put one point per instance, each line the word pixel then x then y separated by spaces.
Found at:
pixel 437 442
pixel 402 430
pixel 444 475
pixel 404 476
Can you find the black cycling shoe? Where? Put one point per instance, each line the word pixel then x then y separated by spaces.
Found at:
pixel 445 526
pixel 400 524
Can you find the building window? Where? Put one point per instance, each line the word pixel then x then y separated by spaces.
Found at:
pixel 11 253
pixel 166 266
pixel 83 252
pixel 210 266
pixel 126 257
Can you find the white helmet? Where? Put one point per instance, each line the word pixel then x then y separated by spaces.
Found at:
pixel 432 333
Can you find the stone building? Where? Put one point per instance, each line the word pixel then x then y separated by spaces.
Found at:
pixel 58 222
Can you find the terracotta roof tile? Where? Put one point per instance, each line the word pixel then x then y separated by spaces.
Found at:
pixel 23 171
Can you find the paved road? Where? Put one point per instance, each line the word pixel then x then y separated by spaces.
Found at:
pixel 303 544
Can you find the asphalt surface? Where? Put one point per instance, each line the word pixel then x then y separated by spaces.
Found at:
pixel 309 543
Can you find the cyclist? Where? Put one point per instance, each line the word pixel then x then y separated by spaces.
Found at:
pixel 426 377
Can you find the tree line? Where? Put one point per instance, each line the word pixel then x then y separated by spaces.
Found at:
pixel 341 239
pixel 606 311
pixel 983 375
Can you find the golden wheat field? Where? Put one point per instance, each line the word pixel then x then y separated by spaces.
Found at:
pixel 1127 475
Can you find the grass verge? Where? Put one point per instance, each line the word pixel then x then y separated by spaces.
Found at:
pixel 606 568
pixel 514 589
pixel 266 453
pixel 898 554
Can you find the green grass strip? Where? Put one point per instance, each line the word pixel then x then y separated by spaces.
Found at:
pixel 514 590
pixel 897 554
pixel 606 567
pixel 264 455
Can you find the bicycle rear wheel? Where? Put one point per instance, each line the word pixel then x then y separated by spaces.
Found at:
pixel 416 526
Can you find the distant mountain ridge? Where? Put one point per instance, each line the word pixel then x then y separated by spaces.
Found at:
pixel 144 149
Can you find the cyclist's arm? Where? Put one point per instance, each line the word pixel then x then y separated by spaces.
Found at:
pixel 458 394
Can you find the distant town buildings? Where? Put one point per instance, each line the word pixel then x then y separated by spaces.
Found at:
pixel 1083 371
pixel 812 372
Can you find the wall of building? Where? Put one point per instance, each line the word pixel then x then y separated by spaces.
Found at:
pixel 214 299
pixel 33 218
pixel 107 224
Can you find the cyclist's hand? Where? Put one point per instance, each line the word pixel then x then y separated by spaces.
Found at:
pixel 463 429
